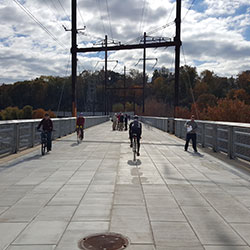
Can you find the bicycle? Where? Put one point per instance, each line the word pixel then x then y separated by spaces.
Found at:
pixel 79 133
pixel 44 141
pixel 134 146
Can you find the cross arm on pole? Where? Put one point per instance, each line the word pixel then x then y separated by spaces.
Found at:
pixel 129 46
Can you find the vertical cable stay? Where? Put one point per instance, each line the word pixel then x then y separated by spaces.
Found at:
pixel 142 17
pixel 100 14
pixel 110 26
pixel 59 103
pixel 190 86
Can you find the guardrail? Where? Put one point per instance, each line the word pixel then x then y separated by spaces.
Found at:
pixel 17 135
pixel 229 137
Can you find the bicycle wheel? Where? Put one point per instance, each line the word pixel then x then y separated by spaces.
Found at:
pixel 134 148
pixel 43 147
pixel 77 137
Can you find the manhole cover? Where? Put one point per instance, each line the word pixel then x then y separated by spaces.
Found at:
pixel 104 241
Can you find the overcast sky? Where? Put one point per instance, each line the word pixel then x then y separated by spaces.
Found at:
pixel 215 35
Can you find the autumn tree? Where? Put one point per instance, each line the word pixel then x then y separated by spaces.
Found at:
pixel 229 110
pixel 239 94
pixel 243 81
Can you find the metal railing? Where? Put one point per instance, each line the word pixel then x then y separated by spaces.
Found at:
pixel 229 137
pixel 16 135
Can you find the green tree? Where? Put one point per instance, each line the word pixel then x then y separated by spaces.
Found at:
pixel 11 113
pixel 27 112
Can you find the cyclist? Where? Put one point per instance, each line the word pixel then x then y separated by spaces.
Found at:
pixel 47 125
pixel 135 127
pixel 80 124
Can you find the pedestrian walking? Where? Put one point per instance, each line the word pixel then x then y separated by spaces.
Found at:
pixel 191 127
pixel 126 122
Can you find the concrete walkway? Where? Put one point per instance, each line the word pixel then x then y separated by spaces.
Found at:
pixel 169 200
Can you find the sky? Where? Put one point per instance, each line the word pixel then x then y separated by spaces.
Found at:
pixel 215 35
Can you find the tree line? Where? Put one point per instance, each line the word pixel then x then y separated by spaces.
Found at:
pixel 206 95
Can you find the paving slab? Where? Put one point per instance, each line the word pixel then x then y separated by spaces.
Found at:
pixel 168 199
pixel 9 232
pixel 32 247
pixel 42 232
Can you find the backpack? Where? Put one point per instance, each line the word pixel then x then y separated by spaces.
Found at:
pixel 136 127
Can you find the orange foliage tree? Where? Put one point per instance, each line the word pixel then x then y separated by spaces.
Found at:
pixel 182 112
pixel 38 113
pixel 228 110
pixel 154 108
pixel 240 94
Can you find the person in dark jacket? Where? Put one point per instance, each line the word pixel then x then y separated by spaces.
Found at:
pixel 47 126
pixel 80 124
pixel 126 122
pixel 135 127
pixel 191 133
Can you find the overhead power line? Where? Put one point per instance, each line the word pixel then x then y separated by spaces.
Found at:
pixel 39 23
pixel 84 23
pixel 188 9
pixel 152 32
pixel 64 10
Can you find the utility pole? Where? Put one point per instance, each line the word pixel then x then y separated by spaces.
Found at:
pixel 144 73
pixel 124 85
pixel 177 40
pixel 74 57
pixel 161 42
pixel 106 75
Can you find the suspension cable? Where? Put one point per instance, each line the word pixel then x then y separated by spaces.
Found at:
pixel 39 23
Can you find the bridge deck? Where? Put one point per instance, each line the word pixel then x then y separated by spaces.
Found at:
pixel 169 200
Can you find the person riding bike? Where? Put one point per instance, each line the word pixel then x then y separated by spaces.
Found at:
pixel 80 124
pixel 47 125
pixel 135 127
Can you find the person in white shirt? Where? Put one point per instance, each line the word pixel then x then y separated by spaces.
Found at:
pixel 191 133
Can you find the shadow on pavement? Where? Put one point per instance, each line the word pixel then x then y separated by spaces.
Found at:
pixel 196 154
pixel 134 163
pixel 119 142
pixel 18 161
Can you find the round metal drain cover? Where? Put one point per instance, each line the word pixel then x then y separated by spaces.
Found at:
pixel 104 241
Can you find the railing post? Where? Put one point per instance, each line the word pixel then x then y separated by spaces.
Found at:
pixel 215 140
pixel 203 135
pixel 16 138
pixel 33 134
pixel 230 151
pixel 171 125
pixel 60 129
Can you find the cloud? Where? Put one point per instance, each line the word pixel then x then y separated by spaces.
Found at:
pixel 215 35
